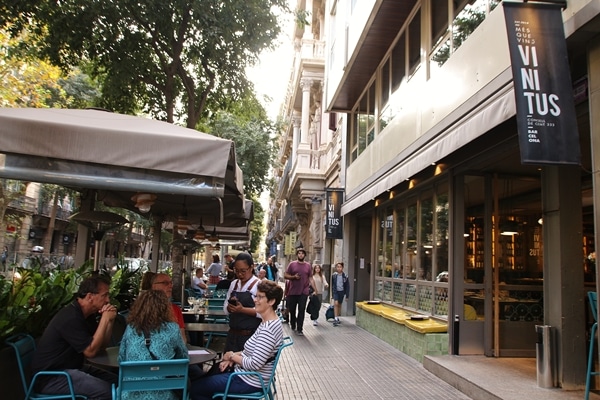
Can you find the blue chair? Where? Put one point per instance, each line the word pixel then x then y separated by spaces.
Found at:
pixel 593 298
pixel 268 388
pixel 24 346
pixel 152 375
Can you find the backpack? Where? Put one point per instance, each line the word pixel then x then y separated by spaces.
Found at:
pixel 329 314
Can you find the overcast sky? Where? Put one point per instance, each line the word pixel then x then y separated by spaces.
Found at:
pixel 272 73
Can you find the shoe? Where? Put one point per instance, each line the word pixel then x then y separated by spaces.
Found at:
pixel 336 322
pixel 315 323
pixel 293 327
pixel 300 333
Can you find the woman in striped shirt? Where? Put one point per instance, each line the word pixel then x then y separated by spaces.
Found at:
pixel 258 354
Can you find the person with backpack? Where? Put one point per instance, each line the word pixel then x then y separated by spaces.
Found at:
pixel 340 288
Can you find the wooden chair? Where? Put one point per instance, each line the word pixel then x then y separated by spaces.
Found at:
pixel 24 346
pixel 593 299
pixel 152 375
pixel 268 390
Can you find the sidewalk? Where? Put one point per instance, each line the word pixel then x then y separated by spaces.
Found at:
pixel 347 362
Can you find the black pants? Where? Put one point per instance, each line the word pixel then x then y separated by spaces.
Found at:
pixel 297 303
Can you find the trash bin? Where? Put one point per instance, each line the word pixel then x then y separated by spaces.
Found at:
pixel 544 356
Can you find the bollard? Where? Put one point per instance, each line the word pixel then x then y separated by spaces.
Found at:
pixel 544 356
pixel 456 335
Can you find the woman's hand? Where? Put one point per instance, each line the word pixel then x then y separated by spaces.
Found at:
pixel 223 365
pixel 233 308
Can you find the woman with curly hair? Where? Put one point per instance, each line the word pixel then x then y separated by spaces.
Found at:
pixel 151 317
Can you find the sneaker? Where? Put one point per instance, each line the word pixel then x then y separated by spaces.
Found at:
pixel 300 333
pixel 315 323
pixel 336 323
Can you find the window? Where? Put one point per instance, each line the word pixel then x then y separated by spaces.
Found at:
pixel 465 15
pixel 412 251
pixel 414 43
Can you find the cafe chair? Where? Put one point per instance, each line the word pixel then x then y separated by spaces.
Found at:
pixel 24 346
pixel 152 375
pixel 268 390
pixel 593 299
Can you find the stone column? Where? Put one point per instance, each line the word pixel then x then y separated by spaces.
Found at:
pixel 296 121
pixel 304 146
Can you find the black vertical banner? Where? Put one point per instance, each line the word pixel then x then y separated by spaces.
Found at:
pixel 543 90
pixel 333 224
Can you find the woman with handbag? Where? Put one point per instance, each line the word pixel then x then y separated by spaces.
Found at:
pixel 316 298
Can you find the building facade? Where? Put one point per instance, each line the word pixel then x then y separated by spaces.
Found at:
pixel 440 214
pixel 310 150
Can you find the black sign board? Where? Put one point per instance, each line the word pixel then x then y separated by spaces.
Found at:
pixel 333 225
pixel 546 118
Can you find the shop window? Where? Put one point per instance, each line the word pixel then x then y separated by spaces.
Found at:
pixel 466 16
pixel 426 242
pixel 414 43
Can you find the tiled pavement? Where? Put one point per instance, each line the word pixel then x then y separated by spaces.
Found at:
pixel 347 362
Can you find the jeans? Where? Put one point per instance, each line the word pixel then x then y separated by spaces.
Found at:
pixel 95 383
pixel 297 301
pixel 204 388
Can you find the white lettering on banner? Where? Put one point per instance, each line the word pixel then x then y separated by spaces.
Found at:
pixel 539 103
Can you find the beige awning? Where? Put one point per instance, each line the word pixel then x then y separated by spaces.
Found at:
pixel 121 155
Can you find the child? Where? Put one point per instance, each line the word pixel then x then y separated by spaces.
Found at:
pixel 340 288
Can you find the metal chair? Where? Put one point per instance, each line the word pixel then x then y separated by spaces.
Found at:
pixel 24 346
pixel 268 390
pixel 152 375
pixel 593 298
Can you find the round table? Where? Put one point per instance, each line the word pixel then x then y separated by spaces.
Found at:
pixel 110 357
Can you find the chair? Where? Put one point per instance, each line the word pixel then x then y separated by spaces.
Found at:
pixel 152 375
pixel 268 388
pixel 24 346
pixel 593 299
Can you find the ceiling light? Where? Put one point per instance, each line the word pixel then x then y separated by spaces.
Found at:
pixel 144 201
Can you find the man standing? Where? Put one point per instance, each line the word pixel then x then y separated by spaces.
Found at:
pixel 299 274
pixel 72 336
pixel 270 269
pixel 228 266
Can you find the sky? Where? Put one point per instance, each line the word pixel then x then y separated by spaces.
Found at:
pixel 272 73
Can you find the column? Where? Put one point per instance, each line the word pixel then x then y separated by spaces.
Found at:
pixel 304 147
pixel 296 121
pixel 564 300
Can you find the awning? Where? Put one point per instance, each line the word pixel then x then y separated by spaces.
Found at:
pixel 493 112
pixel 121 155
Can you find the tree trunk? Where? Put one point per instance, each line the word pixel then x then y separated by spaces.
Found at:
pixel 50 231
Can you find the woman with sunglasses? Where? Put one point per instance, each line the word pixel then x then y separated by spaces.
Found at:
pixel 243 317
pixel 258 353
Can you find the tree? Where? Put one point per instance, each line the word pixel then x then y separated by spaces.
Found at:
pixel 170 58
pixel 27 81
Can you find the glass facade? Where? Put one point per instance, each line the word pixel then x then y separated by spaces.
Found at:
pixel 412 246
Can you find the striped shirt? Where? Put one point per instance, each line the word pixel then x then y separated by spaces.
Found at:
pixel 261 346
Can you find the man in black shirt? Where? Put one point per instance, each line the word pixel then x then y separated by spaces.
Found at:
pixel 73 335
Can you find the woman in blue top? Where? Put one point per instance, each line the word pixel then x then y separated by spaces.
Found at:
pixel 151 315
pixel 258 354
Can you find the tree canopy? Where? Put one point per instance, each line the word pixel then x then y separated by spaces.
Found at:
pixel 172 59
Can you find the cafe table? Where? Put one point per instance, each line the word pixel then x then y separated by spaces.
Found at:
pixel 110 357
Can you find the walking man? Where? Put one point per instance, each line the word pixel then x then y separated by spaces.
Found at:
pixel 299 274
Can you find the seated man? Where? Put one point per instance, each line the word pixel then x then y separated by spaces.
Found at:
pixel 71 336
pixel 198 284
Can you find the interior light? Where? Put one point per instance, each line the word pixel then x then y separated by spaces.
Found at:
pixel 144 201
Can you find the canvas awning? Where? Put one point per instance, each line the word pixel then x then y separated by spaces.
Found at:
pixel 121 155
